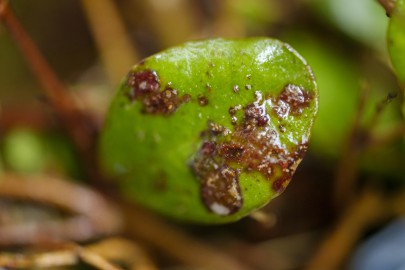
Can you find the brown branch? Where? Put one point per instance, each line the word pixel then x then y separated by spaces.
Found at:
pixel 24 115
pixel 380 108
pixel 175 243
pixel 93 215
pixel 100 255
pixel 118 249
pixel 370 208
pixel 76 123
pixel 95 259
pixel 345 178
pixel 365 211
pixel 62 257
pixel 53 87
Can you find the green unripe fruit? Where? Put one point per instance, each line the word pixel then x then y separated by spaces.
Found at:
pixel 210 130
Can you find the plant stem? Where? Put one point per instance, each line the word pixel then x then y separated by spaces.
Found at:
pixel 368 209
pixel 174 242
pixel 77 124
pixel 45 75
pixel 345 179
pixel 100 255
pixel 92 215
pixel 173 22
pixel 116 50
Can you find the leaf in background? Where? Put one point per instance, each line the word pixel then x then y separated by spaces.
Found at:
pixel 28 151
pixel 361 20
pixel 23 151
pixel 211 130
pixel 396 41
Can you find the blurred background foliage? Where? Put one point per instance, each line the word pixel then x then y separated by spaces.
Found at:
pixel 344 42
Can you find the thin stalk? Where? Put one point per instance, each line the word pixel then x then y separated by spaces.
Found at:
pixel 91 214
pixel 77 124
pixel 174 242
pixel 116 51
pixel 368 209
pixel 345 179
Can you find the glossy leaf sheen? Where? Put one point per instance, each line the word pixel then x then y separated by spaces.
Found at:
pixel 211 130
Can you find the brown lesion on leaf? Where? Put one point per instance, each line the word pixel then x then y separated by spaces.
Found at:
pixel 253 146
pixel 220 190
pixel 145 87
pixel 202 100
pixel 296 97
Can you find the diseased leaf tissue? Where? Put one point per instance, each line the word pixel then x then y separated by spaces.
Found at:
pixel 211 130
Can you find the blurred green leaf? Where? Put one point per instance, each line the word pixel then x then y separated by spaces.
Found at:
pixel 28 151
pixel 362 20
pixel 396 39
pixel 23 151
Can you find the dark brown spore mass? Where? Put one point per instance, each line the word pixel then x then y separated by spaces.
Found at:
pixel 202 101
pixel 254 145
pixel 145 87
pixel 295 98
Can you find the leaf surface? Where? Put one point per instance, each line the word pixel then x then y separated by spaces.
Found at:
pixel 210 130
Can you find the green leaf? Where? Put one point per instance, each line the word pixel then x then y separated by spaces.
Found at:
pixel 396 39
pixel 211 130
pixel 23 151
pixel 396 42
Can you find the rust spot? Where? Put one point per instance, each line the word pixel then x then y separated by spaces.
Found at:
pixel 295 98
pixel 145 87
pixel 186 98
pixel 253 146
pixel 215 129
pixel 231 151
pixel 234 120
pixel 256 115
pixel 208 148
pixel 160 183
pixel 280 184
pixel 143 83
pixel 220 190
pixel 233 110
pixel 202 101
pixel 235 88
